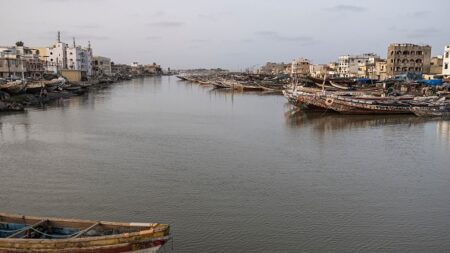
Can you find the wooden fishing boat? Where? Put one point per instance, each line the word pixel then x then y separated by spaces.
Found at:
pixel 35 87
pixel 14 87
pixel 54 83
pixel 340 86
pixel 431 111
pixel 20 234
pixel 182 78
pixel 220 85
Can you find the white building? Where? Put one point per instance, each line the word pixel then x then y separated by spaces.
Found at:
pixel 79 58
pixel 57 56
pixel 446 63
pixel 350 64
pixel 62 56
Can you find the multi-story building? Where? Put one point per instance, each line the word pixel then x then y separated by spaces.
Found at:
pixel 300 67
pixel 102 65
pixel 446 61
pixel 152 69
pixel 404 58
pixel 436 64
pixel 349 65
pixel 20 62
pixel 56 56
pixel 79 58
pixel 381 70
pixel 62 56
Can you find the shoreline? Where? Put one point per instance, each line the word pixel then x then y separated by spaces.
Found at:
pixel 20 102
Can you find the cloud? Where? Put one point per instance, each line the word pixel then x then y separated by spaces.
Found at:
pixel 271 35
pixel 423 33
pixel 167 24
pixel 420 14
pixel 346 8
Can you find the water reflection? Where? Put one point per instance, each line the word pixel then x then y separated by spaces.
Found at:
pixel 329 121
pixel 443 131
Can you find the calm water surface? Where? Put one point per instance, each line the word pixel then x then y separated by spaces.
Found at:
pixel 231 172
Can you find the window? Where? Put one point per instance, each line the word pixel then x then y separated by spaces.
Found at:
pixel 51 53
pixel 446 66
pixel 418 61
pixel 446 54
pixel 419 52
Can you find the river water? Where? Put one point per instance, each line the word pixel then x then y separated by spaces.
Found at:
pixel 231 172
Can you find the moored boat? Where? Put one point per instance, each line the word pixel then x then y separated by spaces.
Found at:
pixel 432 111
pixel 20 234
pixel 13 87
pixel 35 87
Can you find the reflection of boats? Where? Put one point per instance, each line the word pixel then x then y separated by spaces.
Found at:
pixel 334 121
pixel 13 87
pixel 44 235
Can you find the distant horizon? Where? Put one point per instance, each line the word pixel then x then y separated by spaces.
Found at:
pixel 232 34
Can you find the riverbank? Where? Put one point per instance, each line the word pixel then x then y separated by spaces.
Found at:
pixel 19 102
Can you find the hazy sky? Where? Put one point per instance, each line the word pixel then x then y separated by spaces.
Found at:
pixel 227 33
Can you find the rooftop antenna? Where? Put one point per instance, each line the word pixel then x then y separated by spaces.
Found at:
pixel 59 36
pixel 89 44
pixel 74 44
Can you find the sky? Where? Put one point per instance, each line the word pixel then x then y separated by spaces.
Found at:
pixel 232 34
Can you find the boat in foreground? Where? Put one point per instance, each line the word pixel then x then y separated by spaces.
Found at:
pixel 20 234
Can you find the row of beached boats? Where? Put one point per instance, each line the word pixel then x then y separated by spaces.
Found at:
pixel 33 87
pixel 239 81
pixel 366 101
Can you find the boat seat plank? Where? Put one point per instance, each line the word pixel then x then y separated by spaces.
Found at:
pixel 27 228
pixel 86 230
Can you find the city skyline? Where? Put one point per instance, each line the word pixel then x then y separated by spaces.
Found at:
pixel 229 34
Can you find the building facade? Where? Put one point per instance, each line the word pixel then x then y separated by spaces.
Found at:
pixel 446 61
pixel 436 65
pixel 381 70
pixel 350 65
pixel 61 56
pixel 79 58
pixel 20 62
pixel 404 58
pixel 300 67
pixel 102 65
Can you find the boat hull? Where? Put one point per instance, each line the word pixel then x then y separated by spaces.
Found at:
pixel 81 236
